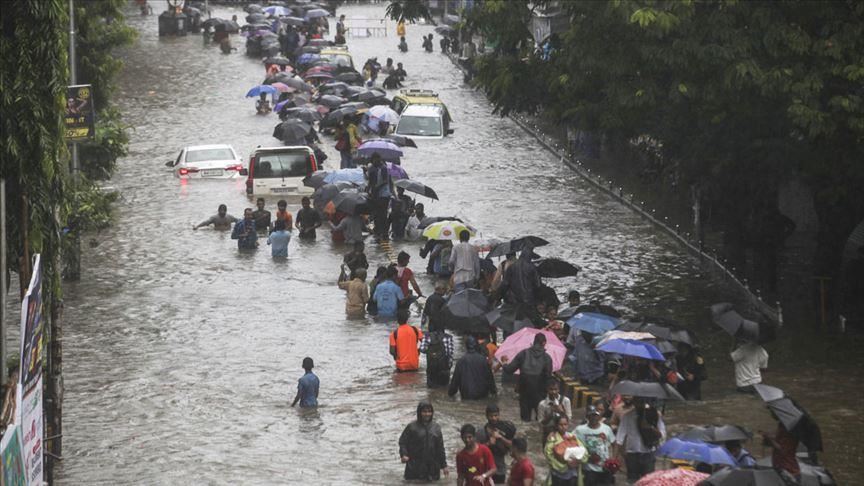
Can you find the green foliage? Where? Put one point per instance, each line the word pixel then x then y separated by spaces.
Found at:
pixel 408 11
pixel 93 207
pixel 99 157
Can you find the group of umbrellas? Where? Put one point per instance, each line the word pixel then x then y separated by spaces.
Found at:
pixel 299 14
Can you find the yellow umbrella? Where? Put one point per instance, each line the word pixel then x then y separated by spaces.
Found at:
pixel 446 230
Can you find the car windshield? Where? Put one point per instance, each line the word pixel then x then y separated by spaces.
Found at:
pixel 293 164
pixel 203 155
pixel 340 60
pixel 426 126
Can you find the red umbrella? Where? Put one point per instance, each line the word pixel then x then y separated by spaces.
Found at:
pixel 672 477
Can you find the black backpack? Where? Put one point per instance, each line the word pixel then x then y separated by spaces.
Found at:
pixel 435 351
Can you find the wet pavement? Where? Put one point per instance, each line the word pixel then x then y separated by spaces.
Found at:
pixel 181 355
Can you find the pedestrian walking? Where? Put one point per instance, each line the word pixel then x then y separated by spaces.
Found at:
pixel 380 190
pixel 498 436
pixel 244 232
pixel 358 294
pixel 433 310
pixel 262 216
pixel 474 464
pixel 220 221
pixel 279 239
pixel 421 447
pixel 563 471
pixel 750 359
pixel 535 370
pixel 356 259
pixel 405 276
pixel 550 408
pixel 522 470
pixel 472 377
pixel 404 342
pixel 640 430
pixel 464 263
pixel 437 345
pixel 598 439
pixel 388 295
pixel 307 386
pixel 308 220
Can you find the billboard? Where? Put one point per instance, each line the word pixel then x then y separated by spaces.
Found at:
pixel 80 116
pixel 13 462
pixel 30 403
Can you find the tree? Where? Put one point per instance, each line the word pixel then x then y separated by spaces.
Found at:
pixel 408 11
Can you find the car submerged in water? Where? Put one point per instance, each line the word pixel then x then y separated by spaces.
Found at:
pixel 424 121
pixel 206 162
pixel 279 171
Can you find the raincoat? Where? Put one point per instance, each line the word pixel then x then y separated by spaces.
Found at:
pixel 472 377
pixel 521 280
pixel 423 444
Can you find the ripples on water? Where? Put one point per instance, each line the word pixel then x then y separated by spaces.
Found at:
pixel 182 356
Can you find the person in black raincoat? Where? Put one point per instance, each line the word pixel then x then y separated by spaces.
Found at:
pixel 472 378
pixel 421 447
pixel 535 371
pixel 520 283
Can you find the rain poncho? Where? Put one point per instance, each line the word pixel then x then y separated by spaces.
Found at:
pixel 472 377
pixel 423 444
pixel 521 280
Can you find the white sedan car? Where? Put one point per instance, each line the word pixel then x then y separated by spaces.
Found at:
pixel 207 162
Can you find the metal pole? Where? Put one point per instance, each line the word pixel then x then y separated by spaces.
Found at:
pixel 74 271
pixel 3 288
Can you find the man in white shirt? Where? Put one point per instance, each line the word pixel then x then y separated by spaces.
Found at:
pixel 552 407
pixel 639 445
pixel 465 263
pixel 750 359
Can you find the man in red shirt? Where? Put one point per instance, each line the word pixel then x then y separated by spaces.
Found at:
pixel 406 275
pixel 784 445
pixel 404 343
pixel 474 464
pixel 522 470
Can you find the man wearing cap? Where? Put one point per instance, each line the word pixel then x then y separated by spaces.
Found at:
pixel 598 439
pixel 307 386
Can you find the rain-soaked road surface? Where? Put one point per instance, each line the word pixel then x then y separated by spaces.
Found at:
pixel 181 355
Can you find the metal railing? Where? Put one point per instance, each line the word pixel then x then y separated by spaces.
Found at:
pixel 366 27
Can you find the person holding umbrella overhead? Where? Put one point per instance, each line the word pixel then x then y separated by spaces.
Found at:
pixel 640 432
pixel 535 370
pixel 750 360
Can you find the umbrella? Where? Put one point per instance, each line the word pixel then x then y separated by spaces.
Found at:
pixel 676 448
pixel 401 140
pixel 339 114
pixel 385 149
pixel 315 179
pixel 592 323
pixel 746 477
pixel 445 230
pixel 277 11
pixel 428 220
pixel 316 12
pixel 631 347
pixel 672 477
pixel 278 60
pixel 596 309
pixel 417 188
pixel 354 176
pixel 318 75
pixel 295 21
pixel 291 130
pixel 524 339
pixel 351 78
pixel 396 171
pixel 303 113
pixel 328 192
pixel 669 333
pixel 468 303
pixel 716 433
pixel 330 101
pixel 517 245
pixel 505 318
pixel 810 475
pixel 279 77
pixel 257 90
pixel 731 321
pixel 556 268
pixel 351 202
pixel 308 58
pixel 256 18
pixel 791 415
pixel 617 334
pixel 299 84
pixel 253 8
pixel 282 87
pixel 321 69
pixel 646 389
pixel 384 113
pixel 309 50
pixel 444 30
pixel 332 87
pixel 368 94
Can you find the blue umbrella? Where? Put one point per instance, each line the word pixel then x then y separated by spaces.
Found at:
pixel 386 149
pixel 630 347
pixel 308 58
pixel 347 175
pixel 592 322
pixel 696 451
pixel 278 11
pixel 257 90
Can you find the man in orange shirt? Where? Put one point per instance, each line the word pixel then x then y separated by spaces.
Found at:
pixel 403 343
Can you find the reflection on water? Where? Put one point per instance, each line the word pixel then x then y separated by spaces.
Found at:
pixel 182 354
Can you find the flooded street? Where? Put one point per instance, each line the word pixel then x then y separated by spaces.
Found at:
pixel 182 356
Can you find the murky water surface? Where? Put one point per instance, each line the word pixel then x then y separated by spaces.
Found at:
pixel 181 355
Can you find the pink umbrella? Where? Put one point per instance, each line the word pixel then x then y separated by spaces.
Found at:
pixel 283 88
pixel 524 338
pixel 672 477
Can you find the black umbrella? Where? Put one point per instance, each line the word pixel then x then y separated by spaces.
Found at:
pixel 646 389
pixel 299 84
pixel 279 77
pixel 339 114
pixel 253 8
pixel 333 87
pixel 278 60
pixel 330 101
pixel 295 21
pixel 302 113
pixel 468 303
pixel 472 325
pixel 351 77
pixel 517 245
pixel 508 318
pixel 401 140
pixel 810 475
pixel 416 187
pixel 327 192
pixel 666 329
pixel 316 179
pixel 793 416
pixel 368 94
pixel 256 18
pixel 212 22
pixel 231 26
pixel 748 477
pixel 307 50
pixel 556 268
pixel 731 321
pixel 444 30
pixel 716 433
pixel 352 202
pixel 291 130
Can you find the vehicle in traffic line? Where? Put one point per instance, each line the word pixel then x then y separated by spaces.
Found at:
pixel 408 97
pixel 424 121
pixel 279 171
pixel 206 162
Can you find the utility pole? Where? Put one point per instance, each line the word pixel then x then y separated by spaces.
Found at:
pixel 74 270
pixel 3 288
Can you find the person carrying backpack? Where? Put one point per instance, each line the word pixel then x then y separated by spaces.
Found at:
pixel 437 345
pixel 404 342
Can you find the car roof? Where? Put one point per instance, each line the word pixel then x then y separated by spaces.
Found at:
pixel 286 148
pixel 208 147
pixel 420 96
pixel 342 52
pixel 423 110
